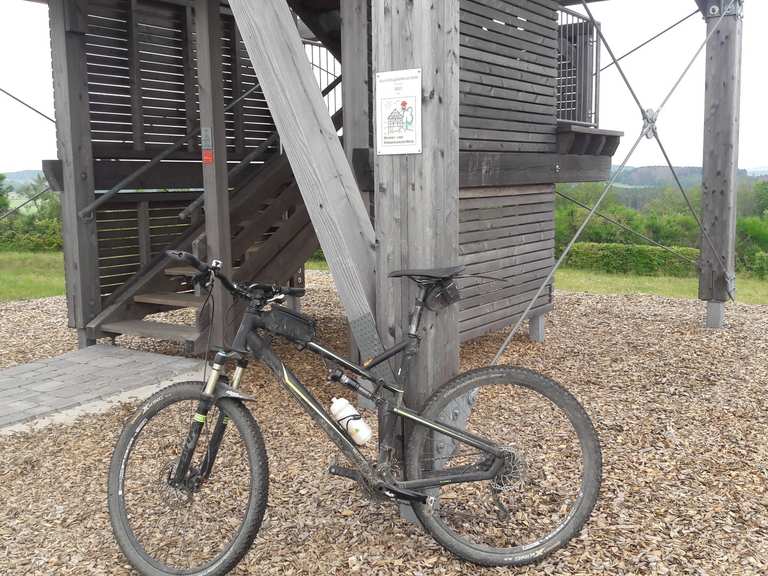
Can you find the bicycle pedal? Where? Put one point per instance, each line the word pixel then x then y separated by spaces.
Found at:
pixel 393 492
pixel 344 472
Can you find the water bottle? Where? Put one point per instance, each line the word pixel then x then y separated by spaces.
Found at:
pixel 350 420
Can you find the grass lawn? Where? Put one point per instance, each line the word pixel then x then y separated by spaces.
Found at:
pixel 36 275
pixel 748 290
pixel 31 275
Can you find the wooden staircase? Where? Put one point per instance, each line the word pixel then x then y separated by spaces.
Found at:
pixel 272 235
pixel 272 238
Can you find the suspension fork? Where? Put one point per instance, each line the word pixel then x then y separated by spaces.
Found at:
pixel 221 426
pixel 198 422
pixel 206 403
pixel 217 436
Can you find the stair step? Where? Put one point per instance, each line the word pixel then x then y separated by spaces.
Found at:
pixel 187 271
pixel 180 271
pixel 147 329
pixel 188 300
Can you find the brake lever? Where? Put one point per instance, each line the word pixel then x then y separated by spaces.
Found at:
pixel 203 279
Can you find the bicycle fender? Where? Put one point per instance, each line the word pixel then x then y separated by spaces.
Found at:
pixel 226 391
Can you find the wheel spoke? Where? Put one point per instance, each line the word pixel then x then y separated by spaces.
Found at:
pixel 541 483
pixel 165 521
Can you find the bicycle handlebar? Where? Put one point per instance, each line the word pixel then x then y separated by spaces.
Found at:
pixel 234 289
pixel 189 259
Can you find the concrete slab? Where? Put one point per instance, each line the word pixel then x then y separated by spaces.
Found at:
pixel 85 381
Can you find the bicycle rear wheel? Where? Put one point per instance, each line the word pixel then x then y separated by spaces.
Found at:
pixel 207 526
pixel 550 481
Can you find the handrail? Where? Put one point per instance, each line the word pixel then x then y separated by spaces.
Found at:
pixel 88 210
pixel 253 156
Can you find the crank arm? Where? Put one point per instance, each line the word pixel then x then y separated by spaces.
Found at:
pixel 393 492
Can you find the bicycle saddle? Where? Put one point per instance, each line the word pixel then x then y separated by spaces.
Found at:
pixel 428 274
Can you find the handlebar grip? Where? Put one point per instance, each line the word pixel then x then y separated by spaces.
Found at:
pixel 187 258
pixel 298 292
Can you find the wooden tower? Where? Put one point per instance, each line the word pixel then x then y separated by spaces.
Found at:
pixel 214 126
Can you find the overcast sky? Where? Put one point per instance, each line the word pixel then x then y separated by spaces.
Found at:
pixel 26 139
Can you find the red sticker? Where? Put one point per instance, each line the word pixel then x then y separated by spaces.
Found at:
pixel 207 156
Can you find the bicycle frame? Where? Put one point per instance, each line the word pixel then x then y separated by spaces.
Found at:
pixel 249 342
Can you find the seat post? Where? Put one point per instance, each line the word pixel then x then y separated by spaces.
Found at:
pixel 418 308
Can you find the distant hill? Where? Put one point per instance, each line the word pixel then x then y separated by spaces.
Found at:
pixel 661 176
pixel 21 177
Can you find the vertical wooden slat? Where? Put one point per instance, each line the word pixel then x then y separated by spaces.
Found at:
pixel 237 89
pixel 190 85
pixel 213 138
pixel 137 115
pixel 68 27
pixel 355 83
pixel 417 196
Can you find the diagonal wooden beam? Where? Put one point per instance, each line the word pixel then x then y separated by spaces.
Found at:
pixel 321 169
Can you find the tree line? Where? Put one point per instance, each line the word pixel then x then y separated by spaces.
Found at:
pixel 659 213
pixel 37 226
pixel 663 216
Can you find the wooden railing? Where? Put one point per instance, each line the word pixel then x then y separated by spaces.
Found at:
pixel 134 229
pixel 578 74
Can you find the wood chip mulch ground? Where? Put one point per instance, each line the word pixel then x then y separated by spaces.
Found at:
pixel 682 414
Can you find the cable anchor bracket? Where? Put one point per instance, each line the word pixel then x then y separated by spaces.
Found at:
pixel 649 123
pixel 717 8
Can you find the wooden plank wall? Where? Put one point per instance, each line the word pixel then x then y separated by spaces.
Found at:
pixel 504 233
pixel 508 105
pixel 132 231
pixel 508 75
pixel 139 107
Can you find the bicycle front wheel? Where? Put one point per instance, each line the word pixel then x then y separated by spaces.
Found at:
pixel 546 489
pixel 206 525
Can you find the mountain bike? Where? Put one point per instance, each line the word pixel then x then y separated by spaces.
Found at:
pixel 502 466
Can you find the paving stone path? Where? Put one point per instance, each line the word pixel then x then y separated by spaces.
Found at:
pixel 45 387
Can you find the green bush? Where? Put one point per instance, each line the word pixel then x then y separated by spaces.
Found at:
pixel 751 239
pixel 27 234
pixel 631 259
pixel 759 265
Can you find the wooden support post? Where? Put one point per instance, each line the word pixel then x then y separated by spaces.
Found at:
pixel 721 155
pixel 417 196
pixel 145 234
pixel 322 172
pixel 70 87
pixel 355 87
pixel 214 144
pixel 298 280
pixel 536 328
